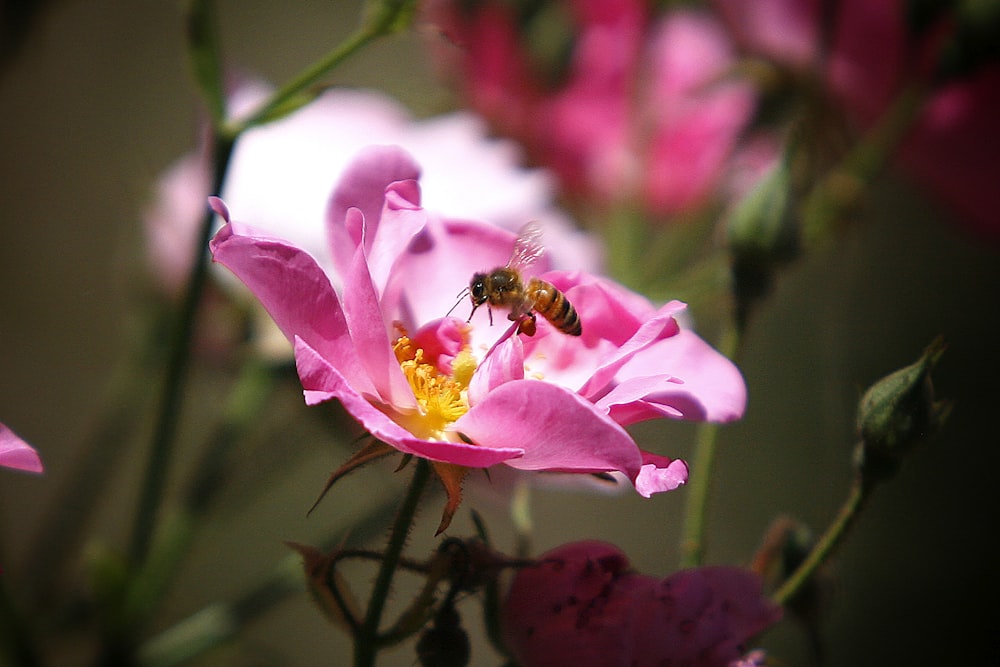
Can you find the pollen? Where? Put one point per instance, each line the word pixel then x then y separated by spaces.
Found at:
pixel 441 398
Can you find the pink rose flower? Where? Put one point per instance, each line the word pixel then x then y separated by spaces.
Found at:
pixel 581 604
pixel 16 453
pixel 951 145
pixel 646 108
pixel 473 395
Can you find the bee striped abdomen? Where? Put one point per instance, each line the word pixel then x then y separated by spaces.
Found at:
pixel 553 305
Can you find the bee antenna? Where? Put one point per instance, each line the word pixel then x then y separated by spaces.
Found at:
pixel 461 295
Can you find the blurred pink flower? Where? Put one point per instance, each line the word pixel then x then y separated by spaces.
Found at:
pixel 280 175
pixel 581 604
pixel 871 56
pixel 16 453
pixel 435 387
pixel 646 108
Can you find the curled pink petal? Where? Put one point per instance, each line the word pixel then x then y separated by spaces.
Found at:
pixel 659 474
pixel 363 187
pixel 16 453
pixel 441 340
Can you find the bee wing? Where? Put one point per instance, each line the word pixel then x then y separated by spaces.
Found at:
pixel 528 246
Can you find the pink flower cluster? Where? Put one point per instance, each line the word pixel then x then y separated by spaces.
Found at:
pixel 472 394
pixel 871 55
pixel 581 604
pixel 646 110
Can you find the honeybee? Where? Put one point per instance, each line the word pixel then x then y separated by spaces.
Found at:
pixel 504 287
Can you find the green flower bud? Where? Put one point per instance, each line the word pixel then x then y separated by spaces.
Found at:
pixel 896 412
pixel 762 236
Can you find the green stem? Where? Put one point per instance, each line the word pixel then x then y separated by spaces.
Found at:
pixel 692 545
pixel 161 452
pixel 826 545
pixel 385 22
pixel 365 643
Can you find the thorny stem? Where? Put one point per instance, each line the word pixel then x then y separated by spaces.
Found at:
pixel 825 546
pixel 692 545
pixel 219 622
pixel 365 643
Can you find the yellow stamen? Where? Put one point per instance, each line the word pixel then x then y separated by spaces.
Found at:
pixel 441 398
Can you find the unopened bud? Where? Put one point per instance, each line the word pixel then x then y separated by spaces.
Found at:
pixel 762 236
pixel 896 413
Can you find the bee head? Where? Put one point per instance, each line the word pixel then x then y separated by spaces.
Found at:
pixel 477 290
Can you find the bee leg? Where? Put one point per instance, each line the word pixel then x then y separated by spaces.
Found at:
pixel 527 324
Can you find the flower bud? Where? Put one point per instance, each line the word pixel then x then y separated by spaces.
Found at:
pixel 762 236
pixel 896 412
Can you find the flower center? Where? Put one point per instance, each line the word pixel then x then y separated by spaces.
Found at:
pixel 441 398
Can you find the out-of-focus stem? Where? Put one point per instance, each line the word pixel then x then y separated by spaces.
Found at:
pixel 692 545
pixel 867 158
pixel 366 642
pixel 161 452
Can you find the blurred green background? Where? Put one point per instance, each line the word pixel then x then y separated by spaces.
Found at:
pixel 97 102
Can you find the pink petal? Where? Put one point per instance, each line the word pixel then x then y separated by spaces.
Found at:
pixel 701 110
pixel 659 474
pixel 441 340
pixel 16 453
pixel 322 382
pixel 365 320
pixel 362 186
pixel 502 364
pixel 295 292
pixel 401 219
pixel 711 387
pixel 662 325
pixel 582 604
pixel 616 323
pixel 567 609
pixel 627 404
pixel 786 30
pixel 701 616
pixel 557 429
pixel 953 149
